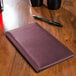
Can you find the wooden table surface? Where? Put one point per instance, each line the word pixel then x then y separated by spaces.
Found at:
pixel 17 13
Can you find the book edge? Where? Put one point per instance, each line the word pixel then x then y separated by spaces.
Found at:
pixel 59 61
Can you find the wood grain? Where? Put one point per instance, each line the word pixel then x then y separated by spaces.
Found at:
pixel 17 13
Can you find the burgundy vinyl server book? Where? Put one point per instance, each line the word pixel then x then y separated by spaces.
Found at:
pixel 38 47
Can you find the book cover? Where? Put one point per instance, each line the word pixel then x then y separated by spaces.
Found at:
pixel 38 47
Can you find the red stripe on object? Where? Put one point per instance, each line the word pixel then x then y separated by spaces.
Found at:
pixel 1 21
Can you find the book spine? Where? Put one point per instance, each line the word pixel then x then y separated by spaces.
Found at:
pixel 22 51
